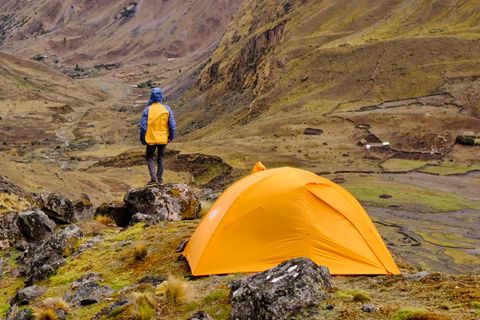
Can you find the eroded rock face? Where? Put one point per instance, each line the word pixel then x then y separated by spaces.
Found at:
pixel 63 210
pixel 293 287
pixel 172 202
pixel 87 291
pixel 43 260
pixel 35 225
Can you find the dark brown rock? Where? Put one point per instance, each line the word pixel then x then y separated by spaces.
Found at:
pixel 35 225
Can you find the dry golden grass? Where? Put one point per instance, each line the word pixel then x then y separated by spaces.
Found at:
pixel 206 205
pixel 174 291
pixel 105 220
pixel 144 306
pixel 56 303
pixel 45 314
pixel 140 252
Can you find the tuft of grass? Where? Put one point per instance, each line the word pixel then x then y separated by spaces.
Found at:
pixel 410 313
pixel 205 207
pixel 174 290
pixel 140 252
pixel 45 314
pixel 361 297
pixel 56 304
pixel 105 220
pixel 144 306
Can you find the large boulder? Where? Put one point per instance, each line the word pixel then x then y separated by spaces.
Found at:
pixel 63 210
pixel 35 225
pixel 43 260
pixel 172 202
pixel 87 291
pixel 293 287
pixel 115 210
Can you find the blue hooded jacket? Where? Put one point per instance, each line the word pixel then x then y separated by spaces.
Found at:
pixel 157 96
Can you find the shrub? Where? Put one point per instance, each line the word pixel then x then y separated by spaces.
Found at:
pixel 105 220
pixel 174 290
pixel 140 252
pixel 144 306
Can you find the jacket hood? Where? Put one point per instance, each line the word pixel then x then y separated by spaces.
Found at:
pixel 156 96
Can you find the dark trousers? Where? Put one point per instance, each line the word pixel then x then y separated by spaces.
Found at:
pixel 158 174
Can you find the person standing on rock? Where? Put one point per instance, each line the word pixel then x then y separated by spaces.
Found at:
pixel 157 129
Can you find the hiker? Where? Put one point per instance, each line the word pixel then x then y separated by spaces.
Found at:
pixel 157 128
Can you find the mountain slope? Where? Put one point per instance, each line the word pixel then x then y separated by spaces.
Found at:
pixel 334 64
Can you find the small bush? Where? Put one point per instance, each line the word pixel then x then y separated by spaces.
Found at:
pixel 416 314
pixel 361 297
pixel 144 306
pixel 174 290
pixel 105 220
pixel 140 252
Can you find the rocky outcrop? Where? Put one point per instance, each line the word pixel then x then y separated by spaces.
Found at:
pixel 63 210
pixel 149 220
pixel 87 290
pixel 115 210
pixel 172 202
pixel 35 225
pixel 293 287
pixel 43 260
pixel 27 294
pixel 15 313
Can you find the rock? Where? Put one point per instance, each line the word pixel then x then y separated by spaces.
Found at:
pixel 153 280
pixel 368 308
pixel 200 315
pixel 417 276
pixel 172 202
pixel 182 245
pixel 9 230
pixel 43 260
pixel 114 309
pixel 304 78
pixel 330 307
pixel 115 210
pixel 338 180
pixel 35 225
pixel 15 314
pixel 145 218
pixel 468 140
pixel 63 210
pixel 313 131
pixel 295 286
pixel 87 291
pixel 26 295
pixel 385 196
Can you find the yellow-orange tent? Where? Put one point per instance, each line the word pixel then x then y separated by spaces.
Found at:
pixel 274 215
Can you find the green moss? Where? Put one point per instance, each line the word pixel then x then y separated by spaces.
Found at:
pixel 352 294
pixel 409 313
pixel 403 165
pixel 449 168
pixel 9 285
pixel 217 296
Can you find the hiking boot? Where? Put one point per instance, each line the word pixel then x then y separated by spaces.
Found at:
pixel 152 183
